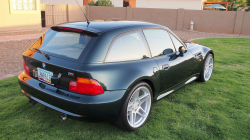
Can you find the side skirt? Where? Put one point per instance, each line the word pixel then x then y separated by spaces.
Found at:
pixel 182 84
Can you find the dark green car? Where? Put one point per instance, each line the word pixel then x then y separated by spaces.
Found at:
pixel 110 69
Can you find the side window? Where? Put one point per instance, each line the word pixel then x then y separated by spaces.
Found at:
pixel 159 41
pixel 129 46
pixel 177 43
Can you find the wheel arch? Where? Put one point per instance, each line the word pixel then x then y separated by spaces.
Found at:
pixel 150 81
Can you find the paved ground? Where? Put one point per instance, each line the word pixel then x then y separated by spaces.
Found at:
pixel 12 45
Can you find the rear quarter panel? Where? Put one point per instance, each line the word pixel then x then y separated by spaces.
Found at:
pixel 121 75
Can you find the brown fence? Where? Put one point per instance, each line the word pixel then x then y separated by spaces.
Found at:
pixel 227 22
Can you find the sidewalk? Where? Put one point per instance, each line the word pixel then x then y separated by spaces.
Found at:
pixel 12 47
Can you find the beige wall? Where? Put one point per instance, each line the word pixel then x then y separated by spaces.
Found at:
pixel 246 24
pixel 166 17
pixel 18 22
pixel 75 13
pixel 210 21
pixel 103 12
pixel 223 22
pixel 226 22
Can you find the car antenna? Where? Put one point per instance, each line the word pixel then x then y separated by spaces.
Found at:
pixel 83 13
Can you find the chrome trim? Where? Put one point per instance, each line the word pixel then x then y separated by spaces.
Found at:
pixel 165 94
pixel 190 80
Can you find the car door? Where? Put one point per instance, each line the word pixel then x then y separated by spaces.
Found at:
pixel 163 47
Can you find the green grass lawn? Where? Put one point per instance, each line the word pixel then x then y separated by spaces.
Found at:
pixel 217 109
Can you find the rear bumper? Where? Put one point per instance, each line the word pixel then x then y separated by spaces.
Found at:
pixel 105 105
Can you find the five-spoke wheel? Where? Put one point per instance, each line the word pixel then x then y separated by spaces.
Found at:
pixel 136 108
pixel 139 106
pixel 207 69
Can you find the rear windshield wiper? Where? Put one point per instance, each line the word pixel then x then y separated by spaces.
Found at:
pixel 46 55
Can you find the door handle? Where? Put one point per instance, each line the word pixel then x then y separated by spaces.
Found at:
pixel 166 67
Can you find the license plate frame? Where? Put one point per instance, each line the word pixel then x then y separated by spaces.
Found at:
pixel 44 75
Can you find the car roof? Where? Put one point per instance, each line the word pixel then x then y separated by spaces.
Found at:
pixel 100 26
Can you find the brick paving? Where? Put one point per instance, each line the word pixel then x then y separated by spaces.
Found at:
pixel 12 45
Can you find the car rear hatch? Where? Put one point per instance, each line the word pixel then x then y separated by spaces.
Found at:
pixel 55 56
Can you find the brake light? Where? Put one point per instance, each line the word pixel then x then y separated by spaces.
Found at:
pixel 86 86
pixel 26 68
pixel 72 29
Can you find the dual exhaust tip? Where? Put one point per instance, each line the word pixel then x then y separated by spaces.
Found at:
pixel 62 117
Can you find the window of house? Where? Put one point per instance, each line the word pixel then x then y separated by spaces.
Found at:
pixel 24 4
pixel 158 41
pixel 129 46
pixel 25 7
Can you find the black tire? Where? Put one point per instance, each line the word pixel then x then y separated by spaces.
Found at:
pixel 122 119
pixel 202 73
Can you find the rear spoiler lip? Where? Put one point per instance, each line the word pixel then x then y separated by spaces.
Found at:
pixel 84 29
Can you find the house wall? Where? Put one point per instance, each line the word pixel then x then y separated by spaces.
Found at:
pixel 18 21
pixel 72 2
pixel 117 3
pixel 170 4
pixel 165 4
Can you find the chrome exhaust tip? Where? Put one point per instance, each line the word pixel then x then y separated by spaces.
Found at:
pixel 63 117
pixel 32 102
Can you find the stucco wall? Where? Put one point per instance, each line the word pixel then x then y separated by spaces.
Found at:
pixel 246 24
pixel 18 22
pixel 75 13
pixel 166 17
pixel 224 22
pixel 210 21
pixel 103 12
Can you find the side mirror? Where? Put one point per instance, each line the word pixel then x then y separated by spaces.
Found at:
pixel 182 50
pixel 168 51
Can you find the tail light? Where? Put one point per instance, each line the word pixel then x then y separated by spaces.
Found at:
pixel 26 68
pixel 86 86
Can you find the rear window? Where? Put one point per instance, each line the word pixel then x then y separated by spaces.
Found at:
pixel 64 44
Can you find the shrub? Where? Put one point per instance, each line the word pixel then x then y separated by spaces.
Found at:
pixel 101 3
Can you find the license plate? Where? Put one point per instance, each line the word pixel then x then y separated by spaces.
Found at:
pixel 44 75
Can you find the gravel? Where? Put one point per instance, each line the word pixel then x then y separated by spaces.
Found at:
pixel 11 51
pixel 188 36
pixel 23 33
pixel 11 55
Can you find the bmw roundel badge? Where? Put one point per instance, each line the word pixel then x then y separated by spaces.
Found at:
pixel 44 65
